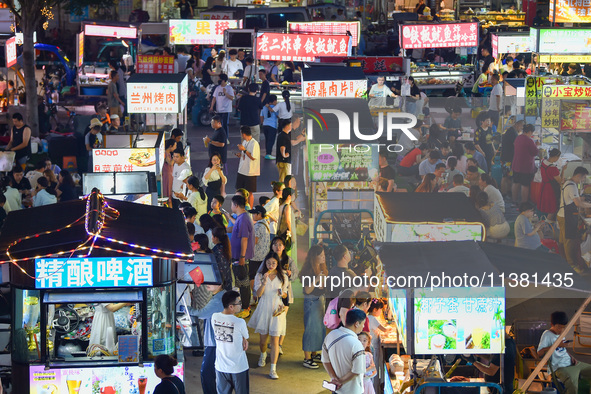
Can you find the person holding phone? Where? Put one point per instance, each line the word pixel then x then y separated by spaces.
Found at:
pixel 527 235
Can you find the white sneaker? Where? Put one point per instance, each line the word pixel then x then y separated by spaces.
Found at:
pixel 263 359
pixel 273 375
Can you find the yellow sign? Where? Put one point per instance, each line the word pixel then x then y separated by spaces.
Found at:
pixel 565 59
pixel 550 113
pixel 566 91
pixel 533 94
pixel 571 11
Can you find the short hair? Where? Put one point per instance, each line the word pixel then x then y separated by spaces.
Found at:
pixel 17 116
pixel 233 52
pixel 217 118
pixel 179 151
pixel 554 153
pixel 191 228
pixel 581 171
pixel 456 110
pixel 245 130
pixel 43 182
pixel 362 297
pixel 529 128
pixel 458 179
pixel 440 165
pixel 263 200
pixel 339 252
pixel 219 199
pixel 2 198
pixel 229 298
pixel 189 212
pixel 472 169
pixel 272 98
pixel 558 317
pixel 113 73
pixel 169 142
pixel 40 164
pixel 423 146
pixel 253 88
pixel 263 71
pixel 239 201
pixel 249 59
pixel 496 77
pixel 176 132
pixel 508 59
pixel 470 145
pixel 434 154
pixel 17 170
pixel 223 77
pixel 354 316
pixel 526 206
pixel 383 154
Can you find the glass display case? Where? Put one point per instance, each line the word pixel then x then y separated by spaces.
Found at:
pixel 161 322
pixel 491 18
pixel 26 328
pixel 443 77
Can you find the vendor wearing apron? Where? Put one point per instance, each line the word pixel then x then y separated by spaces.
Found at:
pixel 568 219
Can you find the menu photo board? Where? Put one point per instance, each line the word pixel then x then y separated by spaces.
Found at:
pixel 332 28
pixel 554 41
pixel 447 35
pixel 575 116
pixel 152 64
pixel 202 32
pixel 301 47
pixel 125 160
pixel 334 89
pixel 570 11
pixel 459 320
pixel 510 44
pixel 341 163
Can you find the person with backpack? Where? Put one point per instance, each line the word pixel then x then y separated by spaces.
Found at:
pixel 337 309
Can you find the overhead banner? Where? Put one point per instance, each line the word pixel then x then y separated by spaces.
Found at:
pixel 570 11
pixel 564 41
pixel 332 28
pixel 510 44
pixel 376 64
pixel 151 64
pixel 334 89
pixel 10 52
pixel 146 98
pixel 125 160
pixel 202 32
pixel 448 35
pixel 110 31
pixel 567 91
pixel 93 272
pixel 300 47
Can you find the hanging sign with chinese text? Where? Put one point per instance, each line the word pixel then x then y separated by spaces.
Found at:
pixel 564 41
pixel 570 11
pixel 332 28
pixel 334 89
pixel 202 32
pixel 300 47
pixel 150 64
pixel 93 272
pixel 10 52
pixel 125 160
pixel 376 64
pixel 156 98
pixel 110 31
pixel 449 35
pixel 567 91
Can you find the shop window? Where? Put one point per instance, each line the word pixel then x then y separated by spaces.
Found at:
pixel 160 320
pixel 256 21
pixel 280 20
pixel 26 338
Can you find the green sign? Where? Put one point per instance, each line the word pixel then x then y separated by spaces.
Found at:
pixel 344 162
pixel 564 41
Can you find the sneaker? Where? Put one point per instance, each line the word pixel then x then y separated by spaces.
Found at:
pixel 280 350
pixel 310 364
pixel 273 375
pixel 317 356
pixel 263 359
pixel 243 314
pixel 270 157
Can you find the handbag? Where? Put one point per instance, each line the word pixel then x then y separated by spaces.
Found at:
pixel 285 235
pixel 301 227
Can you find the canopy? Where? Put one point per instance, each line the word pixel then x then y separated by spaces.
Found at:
pixel 427 207
pixel 137 226
pixel 333 73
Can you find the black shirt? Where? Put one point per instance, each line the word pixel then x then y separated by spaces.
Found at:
pixel 387 173
pixel 265 88
pixel 17 139
pixel 507 145
pixel 249 110
pixel 23 185
pixel 288 75
pixel 171 385
pixel 283 139
pixel 68 193
pixel 185 10
pixel 510 357
pixel 421 9
pixel 219 135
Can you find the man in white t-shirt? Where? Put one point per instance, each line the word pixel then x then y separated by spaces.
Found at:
pixel 495 100
pixel 231 338
pixel 233 66
pixel 343 355
pixel 568 370
pixel 178 157
pixel 222 101
pixel 379 92
pixel 249 167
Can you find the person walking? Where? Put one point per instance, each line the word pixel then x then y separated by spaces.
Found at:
pixel 249 167
pixel 222 101
pixel 249 106
pixel 524 164
pixel 269 122
pixel 242 241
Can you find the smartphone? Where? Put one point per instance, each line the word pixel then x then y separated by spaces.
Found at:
pixel 329 386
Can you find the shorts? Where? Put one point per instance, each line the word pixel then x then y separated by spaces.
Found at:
pixel 523 179
pixel 253 267
pixel 246 182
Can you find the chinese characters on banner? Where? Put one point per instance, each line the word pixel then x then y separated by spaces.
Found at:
pixel 574 116
pixel 124 160
pixel 332 89
pixel 374 64
pixel 110 31
pixel 342 164
pixel 449 35
pixel 93 272
pixel 11 52
pixel 216 16
pixel 300 47
pixel 571 11
pixel 150 64
pixel 533 94
pixel 152 98
pixel 332 28
pixel 550 113
pixel 564 41
pixel 566 91
pixel 203 32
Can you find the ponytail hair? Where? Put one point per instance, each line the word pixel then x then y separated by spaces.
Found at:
pixel 194 181
pixel 221 234
pixel 286 95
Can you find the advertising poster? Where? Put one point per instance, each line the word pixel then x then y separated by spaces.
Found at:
pixel 341 164
pixel 202 32
pixel 332 28
pixel 449 35
pixel 334 89
pixel 108 380
pixel 552 41
pixel 459 320
pixel 10 52
pixel 570 11
pixel 574 116
pixel 300 47
pixel 150 64
pixel 125 160
pixel 151 98
pixel 427 232
pixel 397 303
pixel 110 31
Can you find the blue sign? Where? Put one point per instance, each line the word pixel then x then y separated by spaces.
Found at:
pixel 79 18
pixel 93 272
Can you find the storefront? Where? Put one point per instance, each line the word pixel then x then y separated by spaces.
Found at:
pixel 94 294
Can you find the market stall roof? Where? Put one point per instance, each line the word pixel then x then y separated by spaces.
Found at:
pixel 333 73
pixel 160 229
pixel 481 259
pixel 157 78
pixel 326 127
pixel 427 207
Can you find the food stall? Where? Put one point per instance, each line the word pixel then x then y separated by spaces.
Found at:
pixel 333 82
pixel 426 217
pixel 497 20
pixel 127 184
pixel 94 294
pixel 199 32
pixel 438 77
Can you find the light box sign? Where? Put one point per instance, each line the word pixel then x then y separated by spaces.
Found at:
pixel 110 31
pixel 570 11
pixel 124 379
pixel 433 232
pixel 575 116
pixel 214 16
pixel 10 52
pixel 332 28
pixel 554 41
pixel 459 320
pixel 80 50
pixel 566 91
pixel 449 35
pixel 151 64
pixel 397 301
pixel 376 64
pixel 342 164
pixel 159 98
pixel 93 272
pixel 334 89
pixel 300 47
pixel 202 32
pixel 125 160
pixel 565 58
pixel 510 44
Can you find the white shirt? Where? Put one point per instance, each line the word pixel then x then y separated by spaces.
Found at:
pixel 560 358
pixel 346 355
pixel 214 176
pixel 14 199
pixel 380 93
pixel 32 176
pixel 229 331
pixel 272 208
pixel 570 191
pixel 232 66
pixel 43 198
pixel 182 61
pixel 222 103
pixel 177 186
pixel 495 197
pixel 282 112
pixel 460 189
pixel 247 166
pixel 497 91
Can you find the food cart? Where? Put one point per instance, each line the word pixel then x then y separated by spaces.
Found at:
pixel 426 217
pixel 125 185
pixel 86 252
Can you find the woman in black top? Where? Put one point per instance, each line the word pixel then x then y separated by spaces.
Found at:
pixel 66 189
pixel 206 72
pixel 288 72
pixel 170 384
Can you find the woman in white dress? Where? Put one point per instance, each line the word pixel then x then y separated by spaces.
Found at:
pixel 104 319
pixel 269 317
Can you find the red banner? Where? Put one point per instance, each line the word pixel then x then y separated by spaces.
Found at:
pixel 150 64
pixel 10 52
pixel 448 35
pixel 376 64
pixel 334 28
pixel 300 47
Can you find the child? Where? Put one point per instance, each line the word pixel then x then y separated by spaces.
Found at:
pixel 374 315
pixel 216 208
pixel 370 368
pixel 452 170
